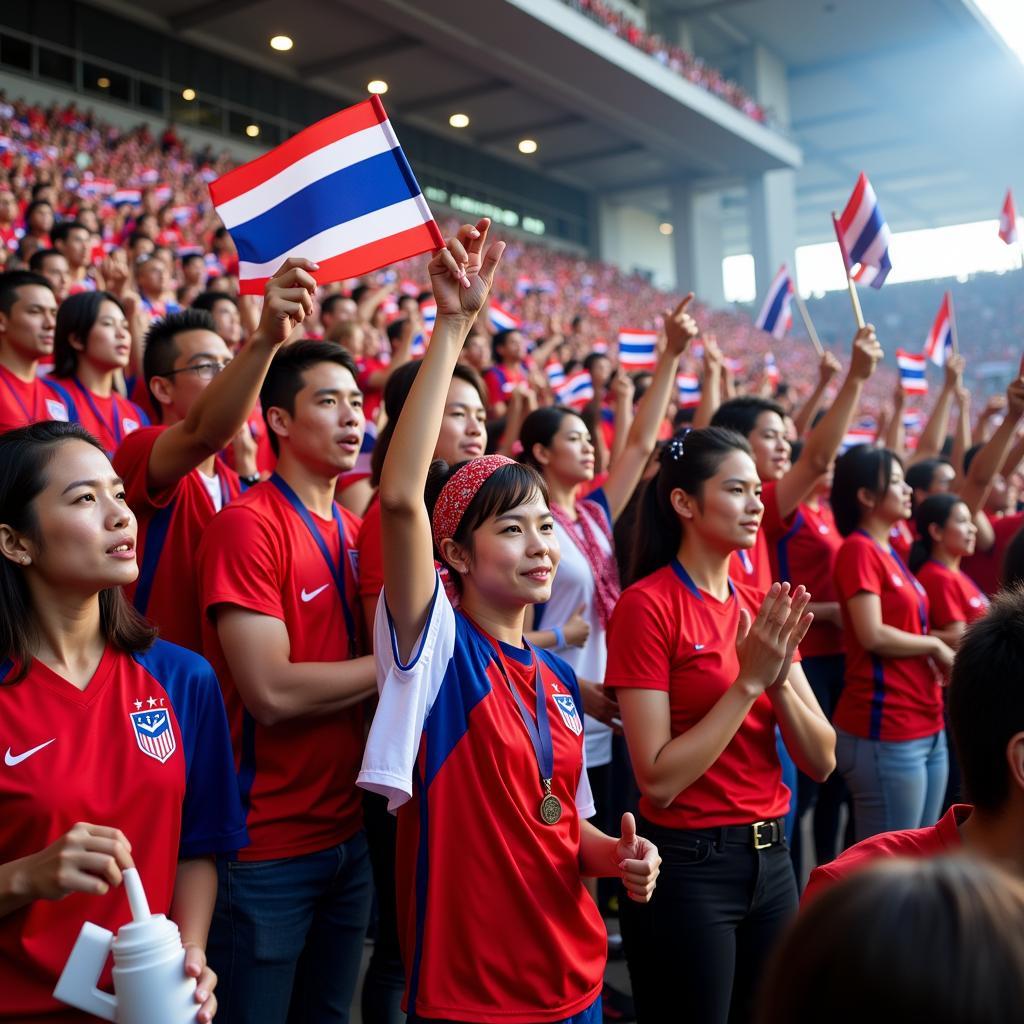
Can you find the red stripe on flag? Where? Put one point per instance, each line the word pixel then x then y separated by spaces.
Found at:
pixel 846 217
pixel 309 140
pixel 367 258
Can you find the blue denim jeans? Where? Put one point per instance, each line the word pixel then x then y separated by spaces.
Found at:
pixel 893 784
pixel 287 936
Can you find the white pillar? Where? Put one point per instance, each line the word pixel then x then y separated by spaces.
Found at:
pixel 697 242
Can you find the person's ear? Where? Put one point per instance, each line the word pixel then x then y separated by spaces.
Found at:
pixel 455 555
pixel 1015 759
pixel 14 546
pixel 684 505
pixel 541 454
pixel 76 343
pixel 935 532
pixel 278 420
pixel 866 498
pixel 162 390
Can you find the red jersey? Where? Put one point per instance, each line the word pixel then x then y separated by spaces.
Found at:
pixel 372 396
pixel 806 554
pixel 143 748
pixel 109 419
pixel 901 539
pixel 25 402
pixel 371 559
pixel 952 595
pixel 667 635
pixel 450 750
pixel 297 777
pixel 753 566
pixel 885 698
pixel 171 523
pixel 986 567
pixel 943 837
pixel 502 381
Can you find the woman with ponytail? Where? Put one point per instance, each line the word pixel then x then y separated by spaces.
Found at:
pixel 703 670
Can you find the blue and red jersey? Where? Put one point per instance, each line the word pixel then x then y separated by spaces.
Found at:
pixel 109 418
pixel 24 402
pixel 666 634
pixel 143 748
pixel 171 524
pixel 297 777
pixel 952 595
pixel 450 750
pixel 885 698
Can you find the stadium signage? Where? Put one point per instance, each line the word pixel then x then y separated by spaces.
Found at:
pixel 479 208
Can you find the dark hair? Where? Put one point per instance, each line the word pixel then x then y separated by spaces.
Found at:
pixel 12 280
pixel 35 205
pixel 986 698
pixel 191 257
pixel 139 236
pixel 540 428
pixel 207 300
pixel 936 939
pixel 39 257
pixel 161 348
pixel 284 377
pixel 935 510
pixel 591 359
pixel 498 343
pixel 395 328
pixel 969 455
pixel 25 454
pixel 76 318
pixel 740 414
pixel 62 230
pixel 1013 561
pixel 921 475
pixel 687 461
pixel 328 304
pixel 865 466
pixel 396 391
pixel 504 489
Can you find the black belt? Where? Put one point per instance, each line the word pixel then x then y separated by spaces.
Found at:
pixel 759 835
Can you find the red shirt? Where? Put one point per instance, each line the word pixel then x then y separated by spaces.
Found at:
pixel 372 396
pixel 109 419
pixel 145 748
pixel 502 381
pixel 986 567
pixel 753 566
pixel 885 698
pixel 22 403
pixel 943 837
pixel 901 538
pixel 171 523
pixel 667 635
pixel 805 554
pixel 298 777
pixel 952 595
pixel 371 559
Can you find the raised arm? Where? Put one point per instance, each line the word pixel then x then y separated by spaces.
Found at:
pixel 680 330
pixel 460 276
pixel 710 385
pixel 962 432
pixel 894 438
pixel 224 406
pixel 824 440
pixel 828 367
pixel 929 444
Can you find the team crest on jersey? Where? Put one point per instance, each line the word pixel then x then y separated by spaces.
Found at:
pixel 897 580
pixel 128 425
pixel 154 733
pixel 56 409
pixel 567 709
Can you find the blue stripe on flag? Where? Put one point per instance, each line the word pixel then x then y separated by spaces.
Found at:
pixel 639 348
pixel 351 192
pixel 874 224
pixel 908 373
pixel 776 309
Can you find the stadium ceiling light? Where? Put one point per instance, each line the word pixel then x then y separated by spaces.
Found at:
pixel 665 228
pixel 282 43
pixel 1006 20
pixel 378 86
pixel 252 130
pixel 103 83
pixel 527 146
pixel 459 120
pixel 188 95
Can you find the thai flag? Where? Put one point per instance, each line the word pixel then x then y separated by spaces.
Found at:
pixel 1008 220
pixel 524 285
pixel 776 317
pixel 181 214
pixel 419 346
pixel 428 310
pixel 408 287
pixel 214 267
pixel 556 374
pixel 340 193
pixel 637 349
pixel 577 390
pixel 689 389
pixel 912 373
pixel 162 193
pixel 912 420
pixel 771 369
pixel 6 144
pixel 939 342
pixel 861 432
pixel 501 319
pixel 126 197
pixel 864 236
pixel 149 175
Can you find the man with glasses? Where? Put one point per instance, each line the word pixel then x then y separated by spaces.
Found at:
pixel 174 480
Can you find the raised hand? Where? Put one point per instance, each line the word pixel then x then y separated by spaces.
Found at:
pixel 287 301
pixel 867 353
pixel 623 388
pixel 954 371
pixel 828 367
pixel 766 645
pixel 680 327
pixel 637 860
pixel 577 629
pixel 462 272
pixel 1015 394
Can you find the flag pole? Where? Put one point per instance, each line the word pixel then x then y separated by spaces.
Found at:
pixel 952 325
pixel 804 315
pixel 858 315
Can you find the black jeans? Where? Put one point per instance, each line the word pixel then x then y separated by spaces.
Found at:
pixel 696 951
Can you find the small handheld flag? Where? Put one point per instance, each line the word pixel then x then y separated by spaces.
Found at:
pixel 577 390
pixel 637 349
pixel 689 390
pixel 555 373
pixel 340 193
pixel 1008 220
pixel 864 236
pixel 912 373
pixel 501 319
pixel 776 317
pixel 939 343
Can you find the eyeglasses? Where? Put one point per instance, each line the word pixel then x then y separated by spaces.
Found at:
pixel 205 371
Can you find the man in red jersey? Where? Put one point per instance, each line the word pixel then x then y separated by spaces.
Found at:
pixel 986 715
pixel 73 241
pixel 28 316
pixel 174 481
pixel 282 625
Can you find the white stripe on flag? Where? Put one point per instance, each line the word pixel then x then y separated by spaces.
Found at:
pixel 860 218
pixel 342 238
pixel 350 150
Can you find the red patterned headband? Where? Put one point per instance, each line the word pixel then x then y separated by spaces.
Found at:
pixel 459 491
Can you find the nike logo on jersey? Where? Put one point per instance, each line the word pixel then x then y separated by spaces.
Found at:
pixel 698 647
pixel 309 595
pixel 12 759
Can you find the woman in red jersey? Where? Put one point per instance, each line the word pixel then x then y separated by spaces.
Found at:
pixel 891 745
pixel 702 669
pixel 478 736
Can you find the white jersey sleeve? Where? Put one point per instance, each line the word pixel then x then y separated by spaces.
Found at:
pixel 407 693
pixel 584 795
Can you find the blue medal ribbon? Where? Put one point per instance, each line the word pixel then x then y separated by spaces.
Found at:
pixel 922 611
pixel 115 427
pixel 337 570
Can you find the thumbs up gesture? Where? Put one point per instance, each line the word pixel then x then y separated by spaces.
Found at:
pixel 637 861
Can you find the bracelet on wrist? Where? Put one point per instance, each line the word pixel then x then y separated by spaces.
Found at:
pixel 559 638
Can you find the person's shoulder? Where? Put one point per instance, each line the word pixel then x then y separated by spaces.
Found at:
pixel 173 665
pixel 749 595
pixel 351 522
pixel 657 585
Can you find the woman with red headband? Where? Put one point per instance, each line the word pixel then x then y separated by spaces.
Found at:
pixel 478 736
